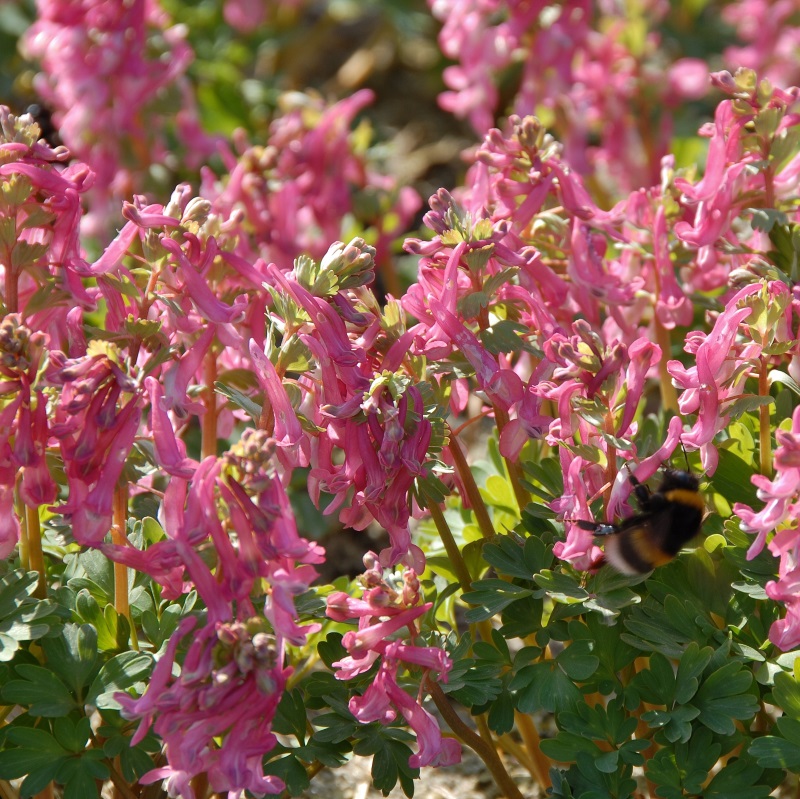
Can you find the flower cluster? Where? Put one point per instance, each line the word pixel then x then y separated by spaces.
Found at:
pixel 778 519
pixel 597 305
pixel 383 612
pixel 602 91
pixel 99 79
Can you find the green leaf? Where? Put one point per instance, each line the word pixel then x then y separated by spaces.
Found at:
pixel 675 724
pixel 773 752
pixel 787 694
pixel 722 698
pixel 693 662
pixel 544 686
pixel 290 716
pixel 239 399
pixel 72 655
pixel 22 616
pixel 561 586
pixel 683 768
pixel 732 479
pixel 656 684
pixel 334 728
pixel 578 660
pixel 501 714
pixel 72 736
pixel 41 691
pixel 737 781
pixel 490 597
pixel 566 746
pixel 476 684
pixel 390 757
pixel 81 783
pixel 99 572
pixel 118 674
pixel 291 771
pixel 36 751
pixel 510 557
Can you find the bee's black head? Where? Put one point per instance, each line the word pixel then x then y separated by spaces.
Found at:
pixel 677 478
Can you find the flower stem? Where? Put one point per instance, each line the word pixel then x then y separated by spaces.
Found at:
pixel 457 562
pixel 764 433
pixel 474 496
pixel 484 751
pixel 118 527
pixel 669 396
pixel 24 548
pixel 514 470
pixel 35 552
pixel 451 547
pixel 208 445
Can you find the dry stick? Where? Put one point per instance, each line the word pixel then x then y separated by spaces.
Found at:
pixel 35 553
pixel 199 785
pixel 474 496
pixel 530 735
pixel 508 744
pixel 7 791
pixel 119 783
pixel 484 751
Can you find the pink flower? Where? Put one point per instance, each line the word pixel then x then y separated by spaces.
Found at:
pixel 216 717
pixel 384 697
pixel 102 66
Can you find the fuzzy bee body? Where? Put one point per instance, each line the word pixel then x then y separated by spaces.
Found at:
pixel 670 517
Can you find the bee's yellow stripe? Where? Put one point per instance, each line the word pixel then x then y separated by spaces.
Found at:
pixel 647 550
pixel 685 496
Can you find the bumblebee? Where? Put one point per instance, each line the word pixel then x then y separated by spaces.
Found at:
pixel 669 518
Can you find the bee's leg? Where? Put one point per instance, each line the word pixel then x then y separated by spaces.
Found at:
pixel 641 491
pixel 598 528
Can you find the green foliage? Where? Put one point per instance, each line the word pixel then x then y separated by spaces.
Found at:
pixel 22 617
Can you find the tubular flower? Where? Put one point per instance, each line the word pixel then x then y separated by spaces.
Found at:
pixel 385 610
pixel 780 516
pixel 216 716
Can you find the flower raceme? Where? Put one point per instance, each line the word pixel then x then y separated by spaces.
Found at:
pixel 534 308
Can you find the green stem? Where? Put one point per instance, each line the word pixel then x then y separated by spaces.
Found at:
pixel 764 433
pixel 457 562
pixel 669 396
pixel 35 552
pixel 451 547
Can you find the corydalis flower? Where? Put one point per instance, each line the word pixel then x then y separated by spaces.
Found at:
pixel 40 211
pixel 384 611
pixel 24 428
pixel 215 717
pixel 102 65
pixel 96 421
pixel 292 195
pixel 780 515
